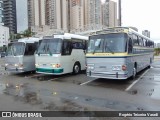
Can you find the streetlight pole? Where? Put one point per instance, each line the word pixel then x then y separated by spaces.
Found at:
pixel 120 13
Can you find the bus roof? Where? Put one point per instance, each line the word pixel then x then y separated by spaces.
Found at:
pixel 118 30
pixel 29 40
pixel 68 36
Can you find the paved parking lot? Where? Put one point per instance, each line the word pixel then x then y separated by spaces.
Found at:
pixel 31 91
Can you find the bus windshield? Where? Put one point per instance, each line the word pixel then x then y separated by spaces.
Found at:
pixel 50 46
pixel 109 43
pixel 15 49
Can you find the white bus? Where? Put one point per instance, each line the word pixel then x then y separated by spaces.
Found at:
pixel 118 53
pixel 20 55
pixel 61 54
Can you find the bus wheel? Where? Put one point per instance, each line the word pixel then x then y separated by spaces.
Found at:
pixel 150 63
pixel 76 68
pixel 134 72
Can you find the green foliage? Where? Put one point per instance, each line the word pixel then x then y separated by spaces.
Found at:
pixel 23 34
pixel 18 36
pixel 27 33
pixel 157 51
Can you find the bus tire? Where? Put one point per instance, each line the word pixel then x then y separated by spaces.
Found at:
pixel 150 63
pixel 76 68
pixel 134 71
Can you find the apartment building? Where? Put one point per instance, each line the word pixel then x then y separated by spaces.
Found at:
pixel 57 13
pixel 77 10
pixel 113 21
pixel 146 33
pixel 48 14
pixel 9 12
pixel 36 12
pixel 4 35
pixel 99 14
pixel 93 13
pixel 71 15
pixel 1 12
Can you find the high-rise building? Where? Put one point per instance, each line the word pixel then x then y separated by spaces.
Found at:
pixel 76 14
pixel 109 14
pixel 48 14
pixel 71 15
pixel 10 20
pixel 36 13
pixel 105 13
pixel 93 13
pixel 146 33
pixel 113 21
pixel 1 12
pixel 57 14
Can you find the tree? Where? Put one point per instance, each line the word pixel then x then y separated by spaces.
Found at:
pixel 18 36
pixel 27 33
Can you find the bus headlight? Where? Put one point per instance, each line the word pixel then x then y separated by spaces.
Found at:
pixel 6 65
pixel 90 66
pixel 36 65
pixel 116 68
pixel 53 65
pixel 124 67
pixel 18 65
pixel 56 65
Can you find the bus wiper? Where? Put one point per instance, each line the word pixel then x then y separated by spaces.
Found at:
pixel 94 50
pixel 109 49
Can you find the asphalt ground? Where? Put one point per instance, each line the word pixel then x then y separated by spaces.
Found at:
pixel 32 92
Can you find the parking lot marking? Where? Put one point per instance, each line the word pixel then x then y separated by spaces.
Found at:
pixel 129 87
pixel 86 82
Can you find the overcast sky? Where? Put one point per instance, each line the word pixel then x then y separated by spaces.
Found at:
pixel 22 17
pixel 143 14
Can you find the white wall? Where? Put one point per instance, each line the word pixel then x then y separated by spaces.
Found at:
pixel 4 35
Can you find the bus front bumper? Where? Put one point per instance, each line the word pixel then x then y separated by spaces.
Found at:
pixel 50 71
pixel 14 69
pixel 116 75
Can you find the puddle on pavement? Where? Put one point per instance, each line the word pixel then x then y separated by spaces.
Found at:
pixel 47 99
pixel 2 88
pixel 133 92
pixel 60 101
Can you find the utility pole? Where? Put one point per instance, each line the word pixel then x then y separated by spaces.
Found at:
pixel 120 13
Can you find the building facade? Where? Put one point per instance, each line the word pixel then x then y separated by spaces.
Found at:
pixel 77 11
pixel 48 14
pixel 36 12
pixel 57 14
pixel 71 15
pixel 4 35
pixel 93 13
pixel 10 18
pixel 146 33
pixel 1 12
pixel 113 21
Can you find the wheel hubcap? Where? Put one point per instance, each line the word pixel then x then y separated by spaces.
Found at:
pixel 76 68
pixel 134 72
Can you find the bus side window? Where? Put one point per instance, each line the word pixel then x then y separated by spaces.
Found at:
pixel 130 46
pixel 67 48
